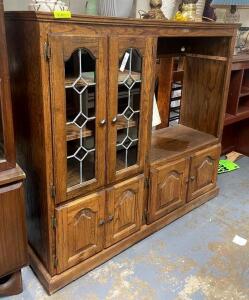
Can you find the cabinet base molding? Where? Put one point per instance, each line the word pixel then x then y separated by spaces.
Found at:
pixel 12 286
pixel 54 283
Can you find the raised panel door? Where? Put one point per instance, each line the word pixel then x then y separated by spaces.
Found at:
pixel 124 209
pixel 13 238
pixel 78 80
pixel 168 188
pixel 203 171
pixel 80 230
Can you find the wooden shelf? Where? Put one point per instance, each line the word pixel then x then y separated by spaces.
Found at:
pixel 244 91
pixel 123 123
pixel 89 78
pixel 73 174
pixel 178 75
pixel 123 75
pixel 243 110
pixel 74 132
pixel 242 115
pixel 171 142
pixel 229 119
pixel 71 80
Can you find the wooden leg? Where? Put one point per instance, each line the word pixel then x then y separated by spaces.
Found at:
pixel 11 285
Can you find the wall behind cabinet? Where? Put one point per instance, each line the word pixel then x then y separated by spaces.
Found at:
pixel 77 5
pixel 16 4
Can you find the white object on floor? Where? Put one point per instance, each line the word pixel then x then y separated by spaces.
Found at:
pixel 239 240
pixel 156 120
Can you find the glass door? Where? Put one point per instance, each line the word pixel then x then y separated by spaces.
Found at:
pixel 77 70
pixel 130 86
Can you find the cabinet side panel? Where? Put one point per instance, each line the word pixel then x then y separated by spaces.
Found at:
pixel 203 94
pixel 13 243
pixel 32 126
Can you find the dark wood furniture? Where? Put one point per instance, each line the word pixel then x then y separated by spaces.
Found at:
pixel 169 88
pixel 13 241
pixel 236 125
pixel 98 178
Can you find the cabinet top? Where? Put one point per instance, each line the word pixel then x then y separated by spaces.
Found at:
pixel 128 22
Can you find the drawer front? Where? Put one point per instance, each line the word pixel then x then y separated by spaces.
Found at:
pixel 13 239
pixel 168 188
pixel 80 230
pixel 124 207
pixel 203 172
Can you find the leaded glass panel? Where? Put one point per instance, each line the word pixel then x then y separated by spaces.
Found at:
pixel 128 111
pixel 80 85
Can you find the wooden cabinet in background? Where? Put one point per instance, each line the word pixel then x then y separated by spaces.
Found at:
pixel 236 124
pixel 13 238
pixel 98 178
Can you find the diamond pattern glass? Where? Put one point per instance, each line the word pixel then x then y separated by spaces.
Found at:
pixel 80 87
pixel 128 113
pixel 80 120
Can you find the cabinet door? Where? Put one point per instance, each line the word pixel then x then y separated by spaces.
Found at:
pixel 80 230
pixel 203 172
pixel 13 239
pixel 78 80
pixel 168 188
pixel 124 209
pixel 131 69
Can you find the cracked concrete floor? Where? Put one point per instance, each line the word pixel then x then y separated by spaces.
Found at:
pixel 192 258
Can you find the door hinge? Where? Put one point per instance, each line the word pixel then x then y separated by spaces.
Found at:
pixel 54 222
pixel 53 191
pixel 47 51
pixel 55 262
pixel 147 182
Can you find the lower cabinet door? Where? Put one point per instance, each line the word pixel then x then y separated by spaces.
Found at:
pixel 203 172
pixel 13 239
pixel 168 188
pixel 124 209
pixel 80 230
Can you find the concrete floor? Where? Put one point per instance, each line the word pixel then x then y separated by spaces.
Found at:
pixel 192 258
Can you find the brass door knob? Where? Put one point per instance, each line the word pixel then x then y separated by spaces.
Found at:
pixel 114 120
pixel 102 123
pixel 110 218
pixel 101 222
